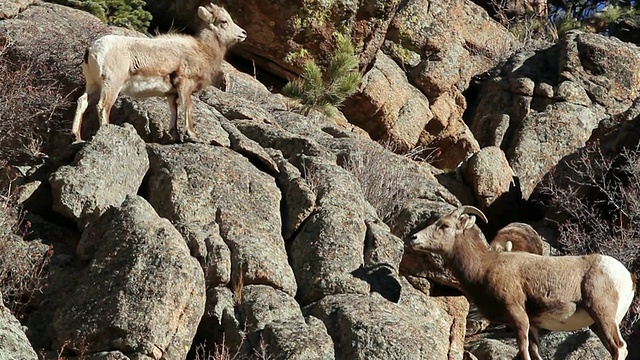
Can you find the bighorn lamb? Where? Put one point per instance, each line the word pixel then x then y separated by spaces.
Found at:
pixel 171 65
pixel 518 237
pixel 529 291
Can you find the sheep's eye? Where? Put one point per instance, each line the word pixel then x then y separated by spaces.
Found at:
pixel 224 24
pixel 444 226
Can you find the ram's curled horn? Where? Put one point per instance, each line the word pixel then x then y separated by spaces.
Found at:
pixel 472 210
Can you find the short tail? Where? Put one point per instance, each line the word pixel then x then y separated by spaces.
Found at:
pixel 86 56
pixel 633 280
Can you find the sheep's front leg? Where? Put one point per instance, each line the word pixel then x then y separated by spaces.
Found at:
pixel 173 124
pixel 520 321
pixel 185 89
pixel 108 97
pixel 188 110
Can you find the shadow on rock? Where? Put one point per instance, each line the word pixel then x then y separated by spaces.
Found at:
pixel 382 278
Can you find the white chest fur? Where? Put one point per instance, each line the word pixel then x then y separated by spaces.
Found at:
pixel 556 322
pixel 141 86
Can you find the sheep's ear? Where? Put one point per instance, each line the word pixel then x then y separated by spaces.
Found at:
pixel 204 14
pixel 467 221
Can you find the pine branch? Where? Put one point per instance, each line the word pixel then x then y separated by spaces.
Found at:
pixel 327 91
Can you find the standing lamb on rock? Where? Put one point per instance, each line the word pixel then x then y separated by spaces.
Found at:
pixel 529 291
pixel 172 66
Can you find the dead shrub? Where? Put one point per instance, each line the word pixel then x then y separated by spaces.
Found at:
pixel 261 351
pixel 221 351
pixel 8 212
pixel 23 264
pixel 80 350
pixel 30 98
pixel 530 24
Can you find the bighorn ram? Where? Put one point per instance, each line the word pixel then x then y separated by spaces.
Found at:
pixel 529 291
pixel 517 237
pixel 172 66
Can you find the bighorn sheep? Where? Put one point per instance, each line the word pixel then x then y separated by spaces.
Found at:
pixel 517 237
pixel 529 291
pixel 171 65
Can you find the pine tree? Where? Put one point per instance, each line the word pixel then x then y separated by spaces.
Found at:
pixel 327 91
pixel 129 14
pixel 124 13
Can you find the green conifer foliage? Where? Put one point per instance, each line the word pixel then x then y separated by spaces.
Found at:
pixel 326 91
pixel 124 13
pixel 128 13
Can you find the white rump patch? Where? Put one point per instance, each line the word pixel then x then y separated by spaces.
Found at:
pixel 100 49
pixel 622 282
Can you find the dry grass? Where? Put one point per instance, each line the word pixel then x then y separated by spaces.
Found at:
pixel 533 28
pixel 312 178
pixel 238 285
pixel 387 186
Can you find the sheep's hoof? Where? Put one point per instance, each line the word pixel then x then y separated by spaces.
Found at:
pixel 225 82
pixel 174 134
pixel 191 137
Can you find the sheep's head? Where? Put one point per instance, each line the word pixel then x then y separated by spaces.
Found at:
pixel 439 237
pixel 218 20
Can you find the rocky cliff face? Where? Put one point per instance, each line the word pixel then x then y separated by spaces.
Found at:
pixel 262 237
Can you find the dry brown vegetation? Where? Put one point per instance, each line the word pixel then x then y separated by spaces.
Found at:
pixel 23 264
pixel 381 182
pixel 30 99
pixel 224 352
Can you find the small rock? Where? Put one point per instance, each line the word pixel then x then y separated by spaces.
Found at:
pixel 106 170
pixel 14 344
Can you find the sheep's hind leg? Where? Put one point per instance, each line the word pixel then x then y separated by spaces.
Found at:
pixel 609 333
pixel 89 97
pixel 77 119
pixel 534 343
pixel 603 312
